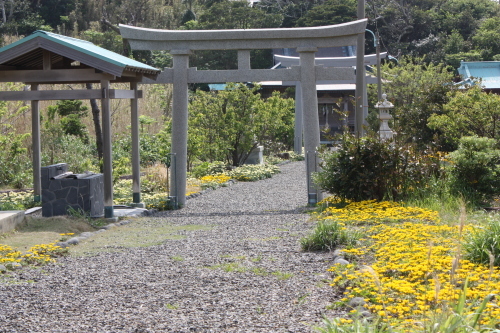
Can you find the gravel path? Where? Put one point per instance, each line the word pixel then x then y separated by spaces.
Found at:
pixel 244 274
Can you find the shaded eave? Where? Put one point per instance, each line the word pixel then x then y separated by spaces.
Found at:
pixel 27 53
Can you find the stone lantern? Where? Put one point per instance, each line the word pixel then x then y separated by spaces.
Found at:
pixel 384 106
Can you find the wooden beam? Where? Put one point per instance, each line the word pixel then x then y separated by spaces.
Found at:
pixel 49 95
pixel 47 63
pixel 54 76
pixel 124 94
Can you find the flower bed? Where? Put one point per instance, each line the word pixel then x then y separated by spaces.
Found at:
pixel 37 255
pixel 409 268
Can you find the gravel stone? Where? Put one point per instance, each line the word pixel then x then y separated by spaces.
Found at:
pixel 245 273
pixel 341 261
pixel 86 234
pixel 73 241
pixel 356 302
pixel 337 253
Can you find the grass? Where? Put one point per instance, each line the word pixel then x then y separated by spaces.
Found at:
pixel 328 235
pixel 33 231
pixel 139 233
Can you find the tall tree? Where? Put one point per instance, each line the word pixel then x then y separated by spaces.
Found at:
pixel 330 12
pixel 418 90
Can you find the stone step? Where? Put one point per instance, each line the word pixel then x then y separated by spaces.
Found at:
pixel 9 219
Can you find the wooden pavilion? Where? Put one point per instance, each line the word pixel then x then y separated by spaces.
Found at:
pixel 44 58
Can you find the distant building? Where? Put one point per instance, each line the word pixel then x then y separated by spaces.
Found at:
pixel 488 72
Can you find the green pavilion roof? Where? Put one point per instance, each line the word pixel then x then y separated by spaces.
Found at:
pixel 26 52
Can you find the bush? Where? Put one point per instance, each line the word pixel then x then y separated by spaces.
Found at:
pixel 482 246
pixel 328 236
pixel 208 169
pixel 367 168
pixel 474 170
pixel 69 149
pixel 15 164
pixel 251 173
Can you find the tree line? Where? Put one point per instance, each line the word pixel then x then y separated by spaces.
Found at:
pixel 446 31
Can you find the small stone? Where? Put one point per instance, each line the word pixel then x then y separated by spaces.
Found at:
pixel 86 234
pixel 365 314
pixel 356 302
pixel 73 241
pixel 62 244
pixel 16 265
pixel 3 268
pixel 341 261
pixel 337 253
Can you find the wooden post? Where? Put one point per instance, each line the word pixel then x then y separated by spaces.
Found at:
pixel 107 149
pixel 136 162
pixel 35 139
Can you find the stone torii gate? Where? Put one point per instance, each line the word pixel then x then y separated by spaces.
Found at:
pixel 181 43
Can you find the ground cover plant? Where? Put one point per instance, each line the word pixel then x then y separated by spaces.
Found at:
pixel 413 270
pixel 11 258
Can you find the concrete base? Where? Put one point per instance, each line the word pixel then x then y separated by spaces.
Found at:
pixel 129 211
pixel 9 219
pixel 138 205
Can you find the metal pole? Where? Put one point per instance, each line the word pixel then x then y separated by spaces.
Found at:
pixel 360 74
pixel 297 143
pixel 172 196
pixel 379 78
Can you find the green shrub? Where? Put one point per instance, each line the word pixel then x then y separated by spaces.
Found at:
pixel 15 164
pixel 251 173
pixel 208 169
pixel 367 168
pixel 483 244
pixel 474 170
pixel 69 149
pixel 328 236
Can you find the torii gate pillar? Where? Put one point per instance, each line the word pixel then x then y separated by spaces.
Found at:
pixel 180 124
pixel 310 117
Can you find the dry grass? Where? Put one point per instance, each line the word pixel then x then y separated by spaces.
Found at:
pixel 40 230
pixel 156 103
